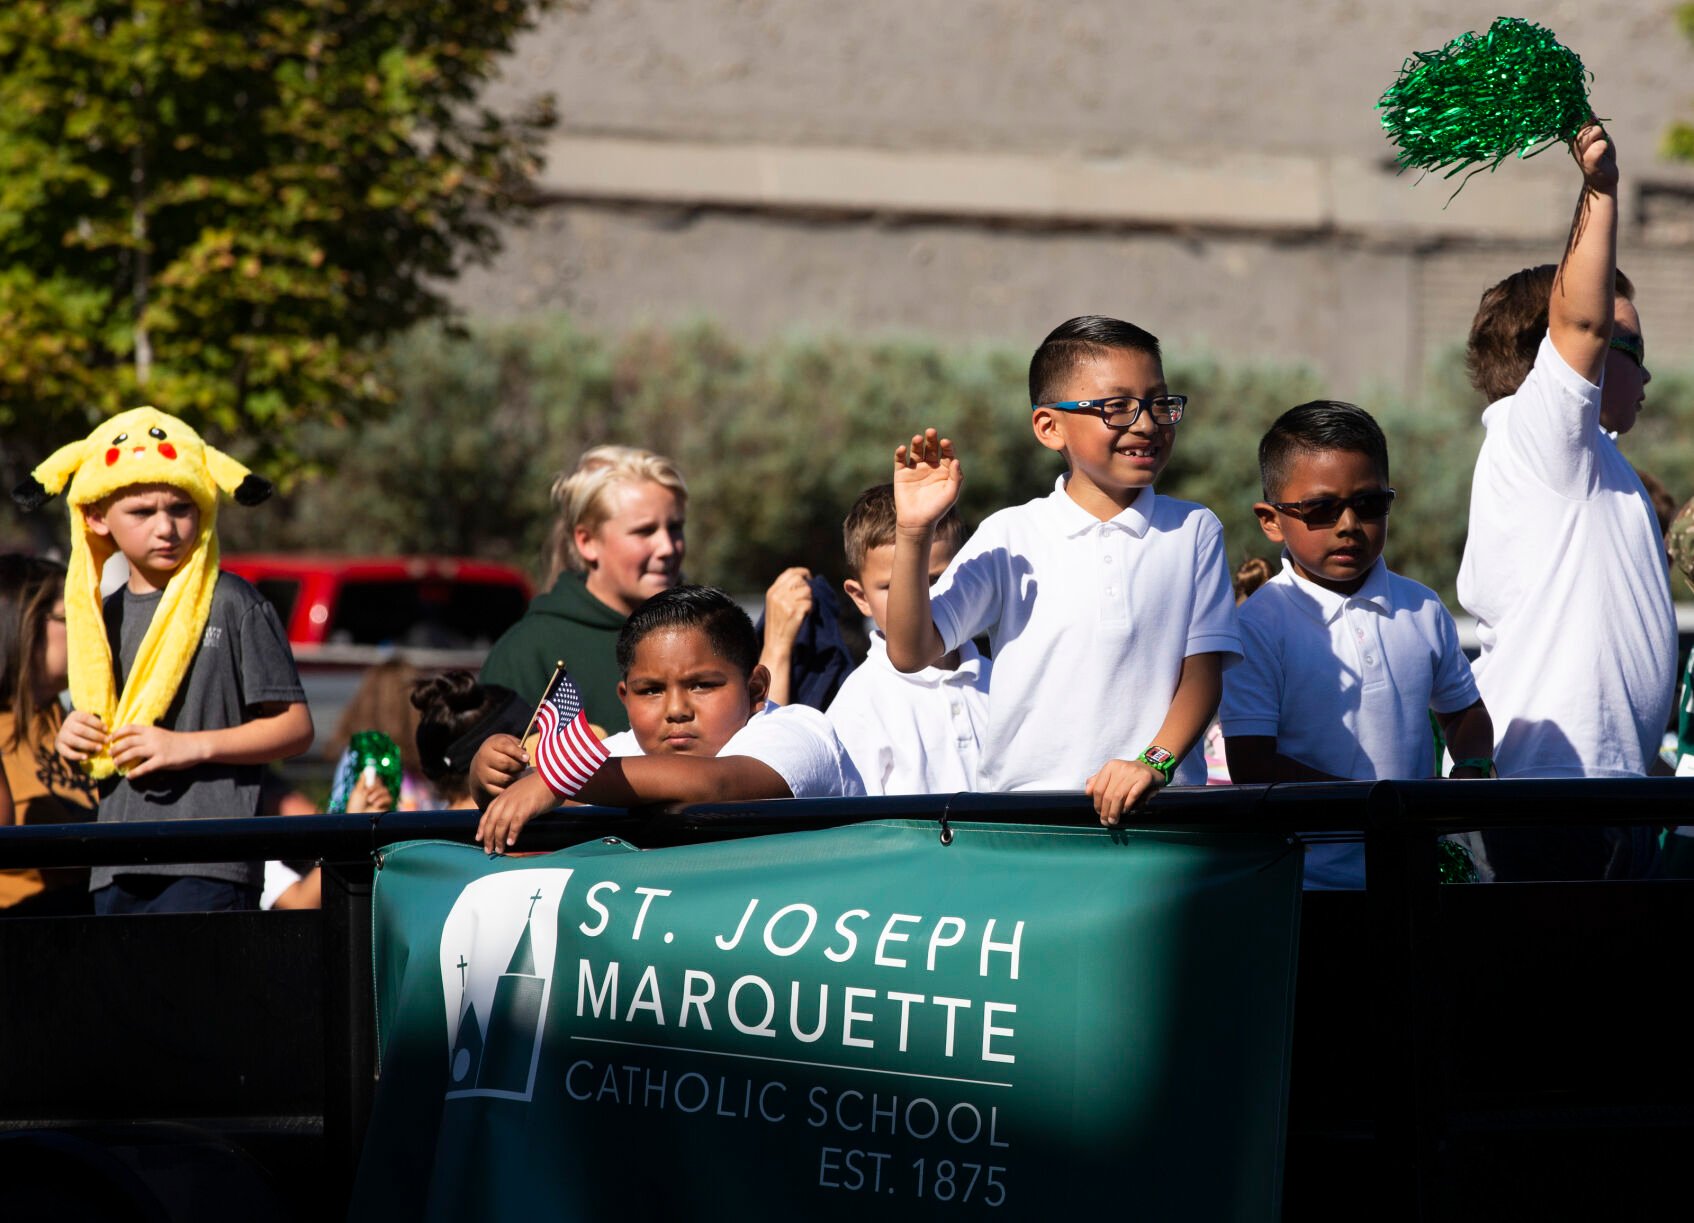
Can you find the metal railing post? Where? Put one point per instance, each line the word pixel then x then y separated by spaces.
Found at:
pixel 350 1053
pixel 1401 869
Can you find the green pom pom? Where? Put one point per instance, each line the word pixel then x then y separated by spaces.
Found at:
pixel 368 749
pixel 1485 97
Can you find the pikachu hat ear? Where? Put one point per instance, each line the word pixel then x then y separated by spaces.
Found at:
pixel 50 478
pixel 141 446
pixel 235 479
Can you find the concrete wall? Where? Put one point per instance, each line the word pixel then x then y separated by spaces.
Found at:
pixel 981 170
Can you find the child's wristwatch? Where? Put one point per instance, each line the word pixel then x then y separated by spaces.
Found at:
pixel 1161 760
pixel 1481 763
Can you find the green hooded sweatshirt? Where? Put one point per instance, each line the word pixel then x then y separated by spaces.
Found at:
pixel 564 623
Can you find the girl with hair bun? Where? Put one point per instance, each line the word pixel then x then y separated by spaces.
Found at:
pixel 455 715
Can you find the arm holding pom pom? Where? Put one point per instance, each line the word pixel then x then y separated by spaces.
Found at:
pixel 1579 314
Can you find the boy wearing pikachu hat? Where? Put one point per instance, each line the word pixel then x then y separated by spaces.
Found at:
pixel 182 680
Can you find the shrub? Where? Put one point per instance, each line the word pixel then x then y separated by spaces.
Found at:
pixel 777 439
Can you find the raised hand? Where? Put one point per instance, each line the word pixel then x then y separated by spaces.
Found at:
pixel 1595 152
pixel 787 603
pixel 927 479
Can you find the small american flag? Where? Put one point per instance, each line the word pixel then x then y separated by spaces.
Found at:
pixel 567 752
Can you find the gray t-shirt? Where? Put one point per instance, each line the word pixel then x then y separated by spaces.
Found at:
pixel 243 661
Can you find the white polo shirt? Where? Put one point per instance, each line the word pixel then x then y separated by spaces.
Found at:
pixel 1345 683
pixel 918 733
pixel 1088 624
pixel 1565 572
pixel 795 741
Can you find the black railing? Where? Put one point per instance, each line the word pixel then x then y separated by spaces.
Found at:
pixel 1404 1012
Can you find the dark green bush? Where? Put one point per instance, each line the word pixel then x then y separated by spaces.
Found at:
pixel 777 439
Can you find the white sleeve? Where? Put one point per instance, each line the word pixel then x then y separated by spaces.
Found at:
pixel 1453 688
pixel 965 600
pixel 1553 428
pixel 623 743
pixel 853 718
pixel 797 742
pixel 1212 628
pixel 1252 688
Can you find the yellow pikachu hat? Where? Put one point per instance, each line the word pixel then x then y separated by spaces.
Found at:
pixel 141 446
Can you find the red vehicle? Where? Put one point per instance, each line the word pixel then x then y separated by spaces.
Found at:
pixel 345 608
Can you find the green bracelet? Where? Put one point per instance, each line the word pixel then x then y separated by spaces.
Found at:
pixel 1161 760
pixel 1473 762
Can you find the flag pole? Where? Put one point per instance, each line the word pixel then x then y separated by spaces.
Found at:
pixel 557 667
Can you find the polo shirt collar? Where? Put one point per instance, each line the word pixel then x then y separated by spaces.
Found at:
pixel 1073 520
pixel 970 664
pixel 1324 604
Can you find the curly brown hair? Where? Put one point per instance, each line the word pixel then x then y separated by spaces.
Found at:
pixel 1508 328
pixel 1253 573
pixel 382 701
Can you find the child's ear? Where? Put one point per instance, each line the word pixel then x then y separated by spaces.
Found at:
pixel 585 545
pixel 758 686
pixel 94 518
pixel 1048 429
pixel 1269 522
pixel 623 692
pixel 856 592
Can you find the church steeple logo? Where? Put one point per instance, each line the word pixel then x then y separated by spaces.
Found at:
pixel 497 953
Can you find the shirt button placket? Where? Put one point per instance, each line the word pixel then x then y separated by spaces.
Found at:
pixel 1109 603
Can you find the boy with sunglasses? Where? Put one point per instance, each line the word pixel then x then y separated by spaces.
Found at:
pixel 1343 660
pixel 1564 567
pixel 1108 607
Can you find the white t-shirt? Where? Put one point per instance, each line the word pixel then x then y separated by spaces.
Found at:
pixel 913 734
pixel 1088 622
pixel 1565 572
pixel 796 741
pixel 1345 683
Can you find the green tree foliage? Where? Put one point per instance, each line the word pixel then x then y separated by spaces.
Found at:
pixel 777 439
pixel 1679 140
pixel 224 206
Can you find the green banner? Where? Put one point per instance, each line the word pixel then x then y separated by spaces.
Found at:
pixel 824 1024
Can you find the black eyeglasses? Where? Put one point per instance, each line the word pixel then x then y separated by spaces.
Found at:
pixel 1122 411
pixel 1327 511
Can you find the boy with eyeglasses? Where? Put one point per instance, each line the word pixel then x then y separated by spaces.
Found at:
pixel 1564 567
pixel 1343 660
pixel 1108 607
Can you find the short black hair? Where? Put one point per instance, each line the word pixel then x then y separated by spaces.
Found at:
pixel 703 607
pixel 1086 337
pixel 1322 424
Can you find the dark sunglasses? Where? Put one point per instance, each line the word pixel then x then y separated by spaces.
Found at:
pixel 1630 346
pixel 1327 511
